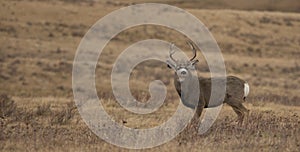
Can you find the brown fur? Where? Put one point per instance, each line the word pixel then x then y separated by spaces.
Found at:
pixel 234 95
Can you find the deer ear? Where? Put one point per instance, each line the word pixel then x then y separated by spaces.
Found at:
pixel 170 64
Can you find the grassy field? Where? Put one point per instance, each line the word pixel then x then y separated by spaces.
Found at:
pixel 38 41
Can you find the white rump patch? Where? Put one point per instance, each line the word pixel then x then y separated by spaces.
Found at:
pixel 246 89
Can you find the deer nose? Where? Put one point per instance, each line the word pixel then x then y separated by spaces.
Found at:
pixel 183 72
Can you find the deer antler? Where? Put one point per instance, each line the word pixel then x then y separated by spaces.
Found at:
pixel 193 48
pixel 172 51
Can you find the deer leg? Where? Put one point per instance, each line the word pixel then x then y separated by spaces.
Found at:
pixel 196 118
pixel 191 130
pixel 240 115
pixel 239 109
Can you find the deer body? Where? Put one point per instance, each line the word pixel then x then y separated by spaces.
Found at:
pixel 236 89
pixel 236 92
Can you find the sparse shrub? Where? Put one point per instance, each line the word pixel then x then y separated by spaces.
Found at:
pixel 78 34
pixel 51 35
pixel 7 106
pixel 43 110
pixel 25 115
pixel 63 116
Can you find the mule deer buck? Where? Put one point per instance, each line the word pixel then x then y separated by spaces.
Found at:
pixel 236 89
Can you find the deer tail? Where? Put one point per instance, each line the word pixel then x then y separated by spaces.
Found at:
pixel 246 90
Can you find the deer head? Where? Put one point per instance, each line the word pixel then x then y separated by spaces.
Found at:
pixel 182 68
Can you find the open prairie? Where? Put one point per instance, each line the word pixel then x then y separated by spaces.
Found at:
pixel 38 42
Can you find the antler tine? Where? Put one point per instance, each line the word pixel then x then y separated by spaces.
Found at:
pixel 172 51
pixel 193 48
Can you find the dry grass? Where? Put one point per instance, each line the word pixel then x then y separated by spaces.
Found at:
pixel 269 127
pixel 64 115
pixel 38 44
pixel 7 106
